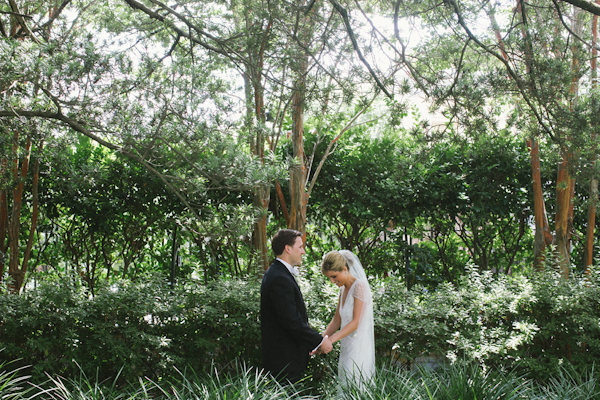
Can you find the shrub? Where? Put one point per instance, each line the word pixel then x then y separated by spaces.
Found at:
pixel 58 324
pixel 536 322
pixel 141 328
pixel 213 324
pixel 146 328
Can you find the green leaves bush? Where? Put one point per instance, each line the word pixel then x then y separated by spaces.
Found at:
pixel 144 329
pixel 213 324
pixel 534 324
pixel 141 328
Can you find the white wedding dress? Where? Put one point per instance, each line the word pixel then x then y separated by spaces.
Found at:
pixel 357 351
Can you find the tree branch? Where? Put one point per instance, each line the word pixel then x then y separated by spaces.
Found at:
pixel 53 16
pixel 511 72
pixel 20 17
pixel 562 21
pixel 155 15
pixel 344 14
pixel 349 125
pixel 585 5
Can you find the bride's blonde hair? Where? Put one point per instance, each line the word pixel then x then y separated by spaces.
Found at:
pixel 334 261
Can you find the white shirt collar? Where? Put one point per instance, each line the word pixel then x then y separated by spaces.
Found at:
pixel 293 270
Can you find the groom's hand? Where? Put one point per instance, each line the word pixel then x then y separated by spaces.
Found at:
pixel 326 345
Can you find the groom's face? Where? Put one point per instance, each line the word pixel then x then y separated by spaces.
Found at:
pixel 296 251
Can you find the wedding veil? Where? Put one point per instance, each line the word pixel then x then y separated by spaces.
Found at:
pixel 354 265
pixel 363 346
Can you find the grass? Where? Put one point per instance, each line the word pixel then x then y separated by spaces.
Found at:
pixel 246 383
pixel 85 388
pixel 13 384
pixel 454 382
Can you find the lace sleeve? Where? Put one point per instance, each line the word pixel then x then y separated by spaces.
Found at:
pixel 362 291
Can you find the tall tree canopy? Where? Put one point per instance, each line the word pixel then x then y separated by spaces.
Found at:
pixel 202 93
pixel 528 66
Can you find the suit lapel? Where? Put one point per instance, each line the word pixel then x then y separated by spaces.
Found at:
pixel 282 269
pixel 287 272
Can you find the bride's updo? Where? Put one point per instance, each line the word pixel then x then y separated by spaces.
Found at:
pixel 334 261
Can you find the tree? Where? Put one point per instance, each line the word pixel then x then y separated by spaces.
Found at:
pixel 480 198
pixel 270 45
pixel 18 222
pixel 530 59
pixel 106 212
pixel 593 198
pixel 138 93
pixel 356 211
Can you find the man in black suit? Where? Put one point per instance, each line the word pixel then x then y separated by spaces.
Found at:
pixel 287 339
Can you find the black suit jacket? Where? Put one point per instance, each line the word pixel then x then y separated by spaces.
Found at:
pixel 286 337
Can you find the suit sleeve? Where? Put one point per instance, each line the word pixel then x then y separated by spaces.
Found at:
pixel 286 309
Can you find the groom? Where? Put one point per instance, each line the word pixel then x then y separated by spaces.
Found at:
pixel 286 337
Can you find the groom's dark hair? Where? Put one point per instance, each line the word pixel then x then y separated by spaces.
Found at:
pixel 284 237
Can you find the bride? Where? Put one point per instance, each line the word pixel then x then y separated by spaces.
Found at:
pixel 352 323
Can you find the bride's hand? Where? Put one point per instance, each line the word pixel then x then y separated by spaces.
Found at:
pixel 326 346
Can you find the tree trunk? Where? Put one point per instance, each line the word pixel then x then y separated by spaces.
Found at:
pixel 543 237
pixel 262 193
pixel 565 185
pixel 588 251
pixel 261 243
pixel 34 216
pixel 563 203
pixel 3 219
pixel 19 174
pixel 286 214
pixel 298 174
pixel 298 171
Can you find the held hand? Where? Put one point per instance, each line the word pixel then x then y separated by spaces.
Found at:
pixel 318 350
pixel 326 346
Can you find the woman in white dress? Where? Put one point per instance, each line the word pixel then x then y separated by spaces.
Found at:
pixel 353 320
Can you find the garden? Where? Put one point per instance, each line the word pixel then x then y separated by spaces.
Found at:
pixel 149 150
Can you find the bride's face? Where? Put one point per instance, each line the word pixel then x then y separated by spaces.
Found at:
pixel 338 277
